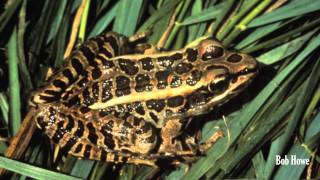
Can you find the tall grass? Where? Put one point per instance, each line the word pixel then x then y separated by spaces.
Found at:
pixel 277 115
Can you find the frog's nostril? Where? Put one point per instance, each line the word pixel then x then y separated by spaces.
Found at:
pixel 234 58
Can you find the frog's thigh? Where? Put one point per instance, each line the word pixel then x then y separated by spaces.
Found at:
pixel 90 133
pixel 130 135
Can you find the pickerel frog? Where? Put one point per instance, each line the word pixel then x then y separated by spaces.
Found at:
pixel 110 103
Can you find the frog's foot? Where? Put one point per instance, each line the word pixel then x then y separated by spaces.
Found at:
pixel 139 35
pixel 146 49
pixel 204 147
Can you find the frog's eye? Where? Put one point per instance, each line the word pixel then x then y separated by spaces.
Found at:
pixel 210 49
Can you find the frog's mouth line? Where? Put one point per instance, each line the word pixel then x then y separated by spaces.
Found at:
pixel 247 71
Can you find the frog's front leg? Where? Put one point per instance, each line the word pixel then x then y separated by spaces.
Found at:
pixel 184 145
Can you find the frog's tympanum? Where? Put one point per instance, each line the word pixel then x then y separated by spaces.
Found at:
pixel 110 103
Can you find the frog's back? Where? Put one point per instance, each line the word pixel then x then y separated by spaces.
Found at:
pixel 83 62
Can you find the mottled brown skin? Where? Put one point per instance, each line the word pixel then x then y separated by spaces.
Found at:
pixel 111 105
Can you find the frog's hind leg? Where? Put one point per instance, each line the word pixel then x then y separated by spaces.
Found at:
pixel 95 135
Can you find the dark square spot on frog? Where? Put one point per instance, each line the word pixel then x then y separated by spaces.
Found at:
pixel 59 132
pixel 123 86
pixel 79 131
pixel 175 101
pixel 234 58
pixel 100 42
pixel 70 123
pixel 95 90
pixel 157 105
pixel 96 73
pixel 162 78
pixel 213 53
pixel 84 109
pixel 41 122
pixel 103 155
pixel 113 43
pixel 78 148
pixel 107 131
pixel 128 66
pixel 194 78
pixel 165 61
pixel 106 90
pixel 49 98
pixel 142 81
pixel 83 82
pixel 136 121
pixel 88 100
pixel 69 144
pixel 67 73
pixel 182 68
pixel 154 117
pixel 175 82
pixel 107 64
pixel 102 49
pixel 92 133
pixel 140 110
pixel 192 55
pixel 106 52
pixel 59 83
pixel 77 65
pixel 147 64
pixel 89 54
pixel 87 151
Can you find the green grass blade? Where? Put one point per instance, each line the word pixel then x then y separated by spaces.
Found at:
pixel 258 34
pixel 295 8
pixel 32 171
pixel 14 86
pixel 285 50
pixel 4 106
pixel 304 97
pixel 282 38
pixel 258 164
pixel 83 23
pixel 193 29
pixel 224 11
pixel 132 17
pixel 127 15
pixel 57 20
pixel 164 10
pixel 8 13
pixel 26 78
pixel 294 171
pixel 205 15
pixel 236 18
pixel 104 21
pixel 82 168
pixel 244 22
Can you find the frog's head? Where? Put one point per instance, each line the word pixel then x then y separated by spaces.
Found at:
pixel 226 72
